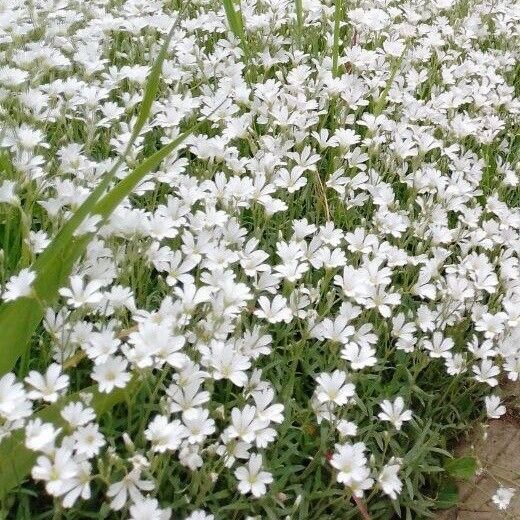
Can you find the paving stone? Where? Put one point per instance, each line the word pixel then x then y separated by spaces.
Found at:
pixel 500 452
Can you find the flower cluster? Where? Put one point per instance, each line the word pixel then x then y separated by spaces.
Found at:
pixel 337 233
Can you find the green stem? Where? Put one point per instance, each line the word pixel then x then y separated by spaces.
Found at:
pixel 299 21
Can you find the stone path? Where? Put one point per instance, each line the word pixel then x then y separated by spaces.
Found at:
pixel 500 453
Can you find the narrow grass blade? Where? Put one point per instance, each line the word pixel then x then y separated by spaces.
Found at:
pixel 234 19
pixel 236 24
pixel 124 187
pixel 67 231
pixel 152 86
pixel 338 13
pixel 19 319
pixel 299 20
pixel 381 102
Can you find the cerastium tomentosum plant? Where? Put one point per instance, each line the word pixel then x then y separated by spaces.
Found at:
pixel 260 264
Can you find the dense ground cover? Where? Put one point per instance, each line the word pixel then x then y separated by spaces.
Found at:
pixel 297 282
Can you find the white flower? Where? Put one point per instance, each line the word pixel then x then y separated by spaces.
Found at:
pixel 244 423
pixel 228 364
pixel 11 76
pixel 265 411
pixel 494 409
pixel 394 47
pixel 189 456
pixel 251 477
pixel 439 346
pixel 491 324
pixel 7 193
pixel 148 508
pixel 111 374
pixel 165 435
pixel 334 388
pixel 351 463
pixel 502 497
pixel 89 440
pixel 47 387
pixel 19 285
pixel 346 428
pixel 486 372
pixel 40 436
pixel 360 356
pixel 80 485
pixel 76 414
pixel 152 339
pixel 274 311
pixel 38 241
pixel 14 401
pixel 132 485
pixel 200 515
pixel 455 364
pixel 394 412
pixel 58 471
pixel 388 479
pixel 89 225
pixel 81 293
pixel 198 424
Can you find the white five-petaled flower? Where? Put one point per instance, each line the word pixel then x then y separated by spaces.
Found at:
pixel 81 293
pixel 502 497
pixel 89 440
pixel 251 477
pixel 395 412
pixel 111 374
pixel 334 387
pixel 7 192
pixel 228 364
pixel 388 479
pixel 245 424
pixel 148 508
pixel 14 401
pixel 58 471
pixel 352 465
pixel 19 285
pixel 164 434
pixel 494 408
pixel 274 311
pixel 40 436
pixel 132 484
pixel 49 386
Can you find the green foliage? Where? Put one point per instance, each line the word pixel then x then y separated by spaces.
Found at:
pixel 462 468
pixel 448 495
pixel 338 16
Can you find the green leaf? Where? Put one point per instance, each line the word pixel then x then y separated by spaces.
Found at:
pixel 236 24
pixel 234 19
pixel 448 495
pixel 461 468
pixel 299 19
pixel 152 86
pixel 335 43
pixel 16 461
pixel 150 91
